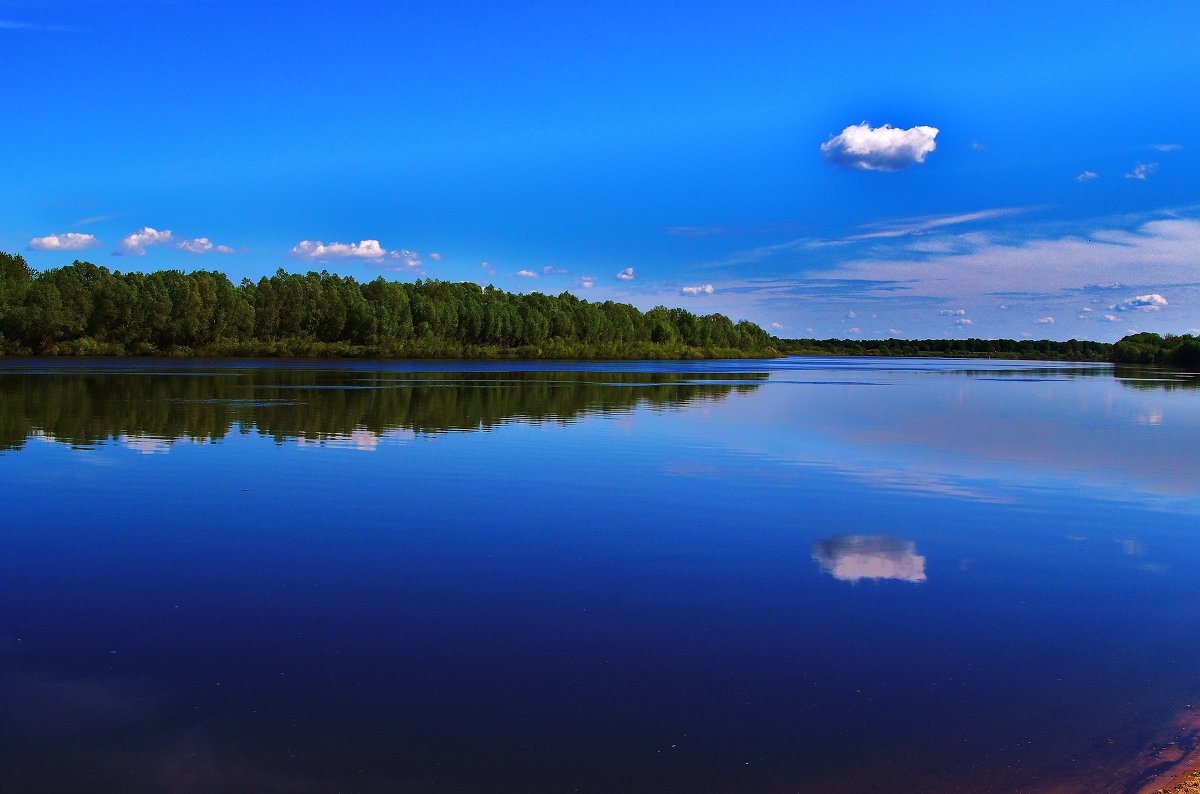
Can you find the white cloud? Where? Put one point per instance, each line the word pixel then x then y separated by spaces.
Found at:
pixel 1166 147
pixel 777 326
pixel 587 282
pixel 854 557
pixel 952 312
pixel 626 275
pixel 370 250
pixel 885 148
pixel 1157 252
pixel 527 274
pixel 964 321
pixel 1045 320
pixel 854 330
pixel 136 244
pixel 435 256
pixel 202 245
pixel 1087 176
pixel 851 315
pixel 894 331
pixel 70 241
pixel 1142 171
pixel 1150 303
pixel 551 270
pixel 1087 309
pixel 977 146
pixel 1112 318
pixel 703 289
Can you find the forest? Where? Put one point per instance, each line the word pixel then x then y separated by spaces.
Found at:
pixel 1027 349
pixel 1154 350
pixel 85 309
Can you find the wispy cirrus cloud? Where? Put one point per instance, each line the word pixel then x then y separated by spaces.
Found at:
pixel 885 148
pixel 701 289
pixel 1159 252
pixel 69 241
pixel 16 24
pixel 1142 171
pixel 922 224
pixel 1087 176
pixel 1166 147
pixel 903 227
pixel 89 220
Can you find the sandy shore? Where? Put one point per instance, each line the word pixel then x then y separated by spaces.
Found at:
pixel 1189 784
pixel 1171 763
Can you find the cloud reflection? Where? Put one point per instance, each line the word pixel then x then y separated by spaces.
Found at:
pixel 854 557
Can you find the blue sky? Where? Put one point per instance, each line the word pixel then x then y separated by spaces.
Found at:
pixel 695 154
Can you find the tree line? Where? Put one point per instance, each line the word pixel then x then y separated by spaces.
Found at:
pixel 1154 350
pixel 1027 349
pixel 85 309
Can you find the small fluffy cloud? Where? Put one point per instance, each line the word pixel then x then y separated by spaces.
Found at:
pixel 70 241
pixel 136 244
pixel 370 250
pixel 952 312
pixel 202 245
pixel 1087 176
pixel 1045 320
pixel 777 326
pixel 885 148
pixel 964 321
pixel 1142 171
pixel 587 282
pixel 551 270
pixel 527 274
pixel 851 315
pixel 703 289
pixel 1112 318
pixel 1147 303
pixel 435 256
pixel 627 274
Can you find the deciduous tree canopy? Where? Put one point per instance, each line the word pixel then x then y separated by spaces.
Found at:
pixel 85 309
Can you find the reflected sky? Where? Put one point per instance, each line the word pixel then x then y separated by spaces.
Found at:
pixel 826 575
pixel 852 558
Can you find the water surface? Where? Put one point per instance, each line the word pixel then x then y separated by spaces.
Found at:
pixel 798 575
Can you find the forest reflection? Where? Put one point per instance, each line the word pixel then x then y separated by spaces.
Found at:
pixel 88 408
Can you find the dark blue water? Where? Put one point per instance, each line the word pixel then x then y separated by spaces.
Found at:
pixel 828 575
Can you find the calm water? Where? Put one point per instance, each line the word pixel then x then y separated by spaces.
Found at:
pixel 833 575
